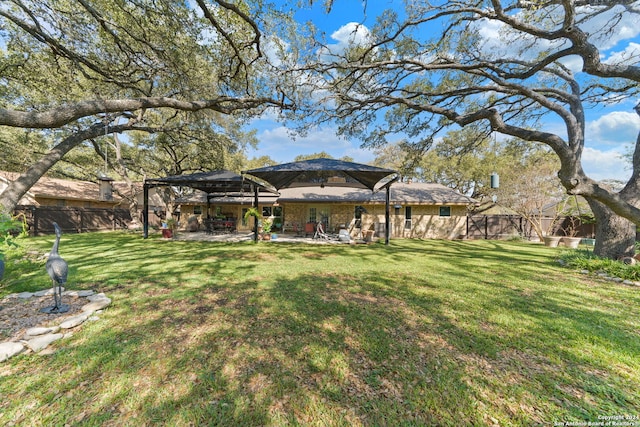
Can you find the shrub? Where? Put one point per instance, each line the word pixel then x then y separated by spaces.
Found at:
pixel 585 260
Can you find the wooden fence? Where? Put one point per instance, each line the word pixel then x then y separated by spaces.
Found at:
pixel 40 219
pixel 506 226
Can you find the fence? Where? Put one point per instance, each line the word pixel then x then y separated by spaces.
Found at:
pixel 40 219
pixel 505 226
pixel 496 226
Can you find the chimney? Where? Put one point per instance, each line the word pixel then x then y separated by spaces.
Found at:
pixel 106 188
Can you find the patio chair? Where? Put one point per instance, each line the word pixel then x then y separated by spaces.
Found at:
pixel 299 232
pixel 309 229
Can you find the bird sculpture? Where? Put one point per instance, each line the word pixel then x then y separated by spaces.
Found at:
pixel 58 270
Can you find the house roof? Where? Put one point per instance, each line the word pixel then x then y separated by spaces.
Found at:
pixel 315 172
pixel 401 193
pixel 55 188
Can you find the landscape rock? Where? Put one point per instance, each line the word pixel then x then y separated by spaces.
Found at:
pixel 10 349
pixel 96 297
pixel 38 338
pixel 96 305
pixel 41 342
pixel 80 294
pixel 74 321
pixel 23 295
pixel 33 332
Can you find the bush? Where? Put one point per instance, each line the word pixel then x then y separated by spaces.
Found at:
pixel 585 260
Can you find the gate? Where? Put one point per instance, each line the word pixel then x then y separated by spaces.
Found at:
pixel 495 226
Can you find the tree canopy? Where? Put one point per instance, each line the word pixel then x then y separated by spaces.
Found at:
pixel 78 68
pixel 508 66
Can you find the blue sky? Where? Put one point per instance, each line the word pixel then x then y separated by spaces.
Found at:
pixel 610 131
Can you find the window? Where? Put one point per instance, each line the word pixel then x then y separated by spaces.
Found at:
pixel 277 218
pixel 266 211
pixel 407 217
pixel 445 210
pixel 313 214
pixel 197 210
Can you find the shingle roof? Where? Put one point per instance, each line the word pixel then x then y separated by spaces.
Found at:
pixel 414 193
pixel 55 188
pixel 401 193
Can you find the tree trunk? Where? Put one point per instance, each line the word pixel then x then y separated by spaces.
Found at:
pixel 615 235
pixel 11 195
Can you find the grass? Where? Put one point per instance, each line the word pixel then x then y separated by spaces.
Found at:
pixel 417 333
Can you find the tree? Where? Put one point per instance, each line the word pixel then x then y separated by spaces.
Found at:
pixel 464 160
pixel 320 155
pixel 73 68
pixel 530 188
pixel 434 68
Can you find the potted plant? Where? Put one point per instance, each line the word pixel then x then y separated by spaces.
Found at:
pixel 170 231
pixel 255 213
pixel 552 241
pixel 570 238
pixel 266 229
pixel 574 219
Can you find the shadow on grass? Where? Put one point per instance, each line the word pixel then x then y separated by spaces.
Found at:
pixel 202 335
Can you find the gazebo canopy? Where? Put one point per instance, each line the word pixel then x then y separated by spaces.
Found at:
pixel 221 182
pixel 322 172
pixel 215 183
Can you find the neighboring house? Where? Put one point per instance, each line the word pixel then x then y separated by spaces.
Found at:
pixel 66 193
pixel 417 210
pixel 75 205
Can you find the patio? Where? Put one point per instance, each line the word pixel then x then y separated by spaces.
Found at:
pixel 203 236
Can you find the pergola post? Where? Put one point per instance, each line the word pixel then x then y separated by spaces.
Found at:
pixel 255 222
pixel 387 215
pixel 145 211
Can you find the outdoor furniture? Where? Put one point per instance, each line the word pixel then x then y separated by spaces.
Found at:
pixel 320 233
pixel 309 229
pixel 299 232
pixel 227 225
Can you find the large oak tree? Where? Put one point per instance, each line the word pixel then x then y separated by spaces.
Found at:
pixel 77 70
pixel 433 67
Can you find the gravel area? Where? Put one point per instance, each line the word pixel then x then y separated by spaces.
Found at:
pixel 19 314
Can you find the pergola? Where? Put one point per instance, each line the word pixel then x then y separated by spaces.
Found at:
pixel 322 172
pixel 216 184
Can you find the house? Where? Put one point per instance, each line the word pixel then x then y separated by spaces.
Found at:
pixel 417 210
pixel 66 193
pixel 75 205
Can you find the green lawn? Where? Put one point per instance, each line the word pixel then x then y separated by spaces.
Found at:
pixel 416 333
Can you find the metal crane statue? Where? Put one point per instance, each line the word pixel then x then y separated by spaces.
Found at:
pixel 58 270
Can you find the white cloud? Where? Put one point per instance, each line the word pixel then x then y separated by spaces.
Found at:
pixel 607 30
pixel 601 165
pixel 629 56
pixel 599 27
pixel 352 33
pixel 616 128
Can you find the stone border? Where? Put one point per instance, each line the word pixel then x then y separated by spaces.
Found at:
pixel 38 338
